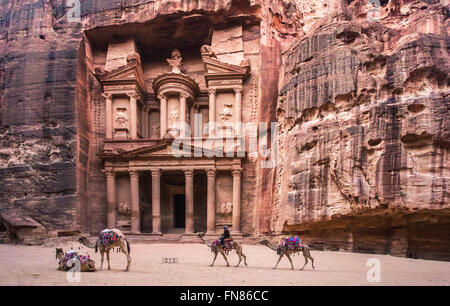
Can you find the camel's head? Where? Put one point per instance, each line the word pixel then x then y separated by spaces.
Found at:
pixel 82 239
pixel 262 241
pixel 59 253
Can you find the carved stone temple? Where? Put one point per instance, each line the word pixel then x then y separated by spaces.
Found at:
pixel 149 189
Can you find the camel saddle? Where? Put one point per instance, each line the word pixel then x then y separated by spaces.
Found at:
pixel 227 245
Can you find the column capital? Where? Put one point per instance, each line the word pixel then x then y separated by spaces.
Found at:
pixel 107 95
pixel 184 95
pixel 188 172
pixel 162 96
pixel 134 173
pixel 211 172
pixel 156 172
pixel 109 172
pixel 236 172
pixel 132 94
pixel 238 89
pixel 211 91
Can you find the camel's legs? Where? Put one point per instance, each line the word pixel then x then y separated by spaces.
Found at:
pixel 306 261
pixel 241 254
pixel 307 254
pixel 107 258
pixel 279 259
pixel 102 254
pixel 290 260
pixel 214 260
pixel 224 257
pixel 123 247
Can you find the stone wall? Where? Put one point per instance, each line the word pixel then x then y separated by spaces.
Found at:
pixel 364 129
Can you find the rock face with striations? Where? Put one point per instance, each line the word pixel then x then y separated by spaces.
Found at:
pixel 359 90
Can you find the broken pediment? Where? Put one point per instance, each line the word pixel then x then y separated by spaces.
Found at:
pixel 131 73
pixel 216 69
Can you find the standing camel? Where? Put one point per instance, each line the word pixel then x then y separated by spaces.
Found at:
pixel 105 245
pixel 217 248
pixel 283 249
pixel 86 264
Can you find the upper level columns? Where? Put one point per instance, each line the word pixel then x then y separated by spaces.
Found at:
pixel 238 109
pixel 183 107
pixel 163 113
pixel 109 115
pixel 133 115
pixel 212 110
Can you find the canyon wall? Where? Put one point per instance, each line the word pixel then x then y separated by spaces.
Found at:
pixel 359 90
pixel 364 131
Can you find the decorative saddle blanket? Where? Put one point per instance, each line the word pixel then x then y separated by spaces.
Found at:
pixel 227 247
pixel 68 263
pixel 107 239
pixel 292 244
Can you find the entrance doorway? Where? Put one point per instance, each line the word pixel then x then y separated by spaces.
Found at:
pixel 179 210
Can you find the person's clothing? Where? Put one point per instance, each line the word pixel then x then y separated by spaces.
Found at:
pixel 225 235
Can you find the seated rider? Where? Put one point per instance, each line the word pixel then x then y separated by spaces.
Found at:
pixel 225 235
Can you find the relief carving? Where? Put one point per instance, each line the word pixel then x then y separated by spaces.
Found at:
pixel 121 118
pixel 124 209
pixel 175 61
pixel 226 113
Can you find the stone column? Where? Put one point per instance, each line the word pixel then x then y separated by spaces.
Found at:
pixel 111 198
pixel 238 109
pixel 212 110
pixel 133 115
pixel 183 107
pixel 156 201
pixel 163 115
pixel 145 127
pixel 189 174
pixel 211 203
pixel 236 201
pixel 134 196
pixel 108 115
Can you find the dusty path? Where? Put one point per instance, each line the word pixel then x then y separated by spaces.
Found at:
pixel 22 265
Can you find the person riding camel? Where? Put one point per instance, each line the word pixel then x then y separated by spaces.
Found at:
pixel 225 236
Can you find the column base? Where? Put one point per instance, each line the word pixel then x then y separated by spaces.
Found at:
pixel 237 233
pixel 189 234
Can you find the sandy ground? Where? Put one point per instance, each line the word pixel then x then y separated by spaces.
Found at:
pixel 36 265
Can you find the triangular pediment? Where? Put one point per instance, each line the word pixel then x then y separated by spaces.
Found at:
pixel 157 150
pixel 131 72
pixel 214 66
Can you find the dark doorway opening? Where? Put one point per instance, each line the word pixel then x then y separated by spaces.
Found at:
pixel 179 210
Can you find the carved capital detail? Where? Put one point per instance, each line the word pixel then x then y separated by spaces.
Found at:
pixel 107 95
pixel 236 172
pixel 189 172
pixel 134 174
pixel 109 172
pixel 156 172
pixel 211 91
pixel 211 172
pixel 238 89
pixel 132 95
pixel 162 96
pixel 184 95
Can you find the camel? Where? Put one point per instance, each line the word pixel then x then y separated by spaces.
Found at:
pixel 285 251
pixel 219 249
pixel 120 242
pixel 85 266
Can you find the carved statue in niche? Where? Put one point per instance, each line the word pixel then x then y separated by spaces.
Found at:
pixel 207 51
pixel 175 61
pixel 124 209
pixel 121 118
pixel 226 113
pixel 173 115
pixel 226 208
